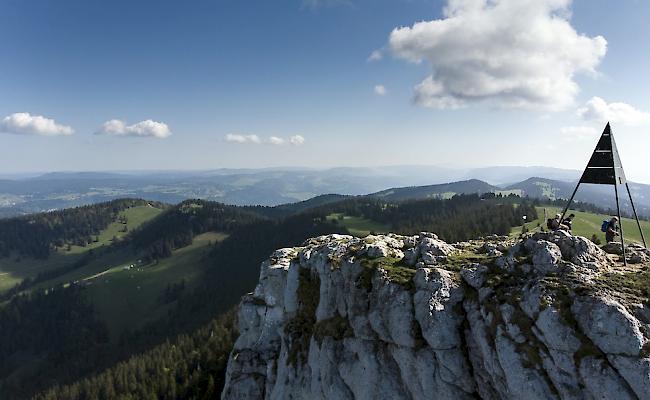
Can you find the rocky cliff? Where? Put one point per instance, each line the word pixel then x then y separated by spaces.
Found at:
pixel 393 317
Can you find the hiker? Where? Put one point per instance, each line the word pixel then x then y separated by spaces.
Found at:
pixel 568 221
pixel 612 230
pixel 556 223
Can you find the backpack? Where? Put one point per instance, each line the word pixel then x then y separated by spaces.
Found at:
pixel 604 226
pixel 549 223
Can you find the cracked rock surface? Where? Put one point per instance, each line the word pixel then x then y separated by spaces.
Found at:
pixel 548 316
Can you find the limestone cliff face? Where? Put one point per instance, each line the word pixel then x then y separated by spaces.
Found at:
pixel 394 317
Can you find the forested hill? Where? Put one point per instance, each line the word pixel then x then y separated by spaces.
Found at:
pixel 285 210
pixel 472 186
pixel 177 227
pixel 460 218
pixel 37 235
pixel 187 367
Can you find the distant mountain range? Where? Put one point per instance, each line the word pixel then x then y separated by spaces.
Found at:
pixel 441 190
pixel 602 196
pixel 509 175
pixel 540 188
pixel 269 187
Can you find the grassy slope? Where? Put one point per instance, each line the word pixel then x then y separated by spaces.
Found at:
pixel 124 298
pixel 358 226
pixel 13 269
pixel 587 224
pixel 128 298
pixel 135 216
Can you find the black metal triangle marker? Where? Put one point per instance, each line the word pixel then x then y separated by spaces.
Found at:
pixel 605 168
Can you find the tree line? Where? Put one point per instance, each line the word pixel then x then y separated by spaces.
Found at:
pixel 176 227
pixel 48 336
pixel 37 235
pixel 462 217
pixel 191 366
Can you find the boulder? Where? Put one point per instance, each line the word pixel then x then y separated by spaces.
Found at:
pixel 546 256
pixel 636 254
pixel 474 274
pixel 383 246
pixel 575 249
pixel 612 248
pixel 435 247
pixel 609 325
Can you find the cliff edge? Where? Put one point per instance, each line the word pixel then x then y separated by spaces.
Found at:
pixel 549 316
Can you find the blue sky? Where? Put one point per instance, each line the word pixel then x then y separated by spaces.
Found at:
pixel 209 84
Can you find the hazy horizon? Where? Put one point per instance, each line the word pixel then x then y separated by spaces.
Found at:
pixel 376 168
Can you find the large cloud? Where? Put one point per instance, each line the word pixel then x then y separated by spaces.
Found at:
pixel 148 128
pixel 597 109
pixel 27 124
pixel 510 53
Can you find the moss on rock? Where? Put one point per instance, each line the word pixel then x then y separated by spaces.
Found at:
pixel 337 328
pixel 458 259
pixel 396 271
pixel 300 328
pixel 630 286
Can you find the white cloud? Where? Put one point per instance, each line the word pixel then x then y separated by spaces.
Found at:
pixel 376 55
pixel 509 53
pixel 573 133
pixel 380 90
pixel 276 140
pixel 148 128
pixel 314 4
pixel 237 138
pixel 27 124
pixel 597 109
pixel 297 140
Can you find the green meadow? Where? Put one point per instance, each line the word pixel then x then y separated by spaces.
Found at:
pixel 125 292
pixel 133 217
pixel 15 268
pixel 587 224
pixel 128 297
pixel 358 226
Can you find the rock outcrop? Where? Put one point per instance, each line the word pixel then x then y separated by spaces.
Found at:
pixel 550 316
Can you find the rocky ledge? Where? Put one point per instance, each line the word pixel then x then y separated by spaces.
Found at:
pixel 411 317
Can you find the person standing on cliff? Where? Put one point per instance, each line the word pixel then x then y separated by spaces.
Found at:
pixel 612 230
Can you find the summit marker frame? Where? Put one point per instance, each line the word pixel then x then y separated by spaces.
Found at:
pixel 605 168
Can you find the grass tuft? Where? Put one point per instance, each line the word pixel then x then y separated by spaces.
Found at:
pixel 337 328
pixel 396 271
pixel 300 328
